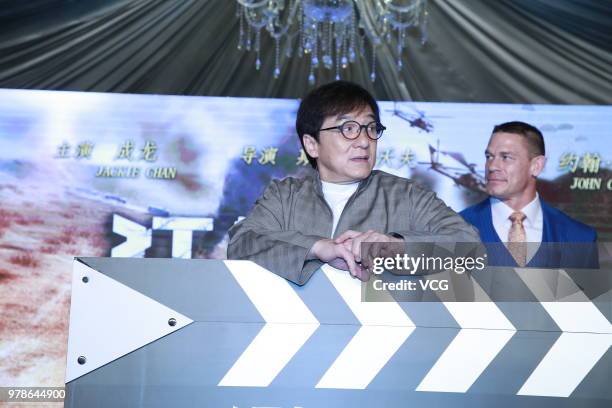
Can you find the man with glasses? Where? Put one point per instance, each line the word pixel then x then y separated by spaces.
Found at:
pixel 300 224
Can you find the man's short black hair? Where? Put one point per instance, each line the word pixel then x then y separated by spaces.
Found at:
pixel 534 138
pixel 332 99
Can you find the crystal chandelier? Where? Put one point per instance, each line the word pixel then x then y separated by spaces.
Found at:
pixel 330 33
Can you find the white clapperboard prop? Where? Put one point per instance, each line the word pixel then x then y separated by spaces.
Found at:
pixel 211 333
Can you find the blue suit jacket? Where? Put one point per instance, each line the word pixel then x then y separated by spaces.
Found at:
pixel 565 241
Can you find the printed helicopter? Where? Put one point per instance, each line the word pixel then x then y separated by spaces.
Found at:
pixel 472 179
pixel 417 119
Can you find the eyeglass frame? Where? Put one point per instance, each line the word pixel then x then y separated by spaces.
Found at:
pixel 361 127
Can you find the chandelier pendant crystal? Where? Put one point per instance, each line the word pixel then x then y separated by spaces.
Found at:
pixel 330 34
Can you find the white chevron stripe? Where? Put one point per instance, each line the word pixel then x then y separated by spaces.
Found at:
pixel 464 360
pixel 365 355
pixel 566 364
pixel 385 328
pixel 289 324
pixel 272 296
pixel 587 336
pixel 485 332
pixel 577 314
pixel 479 315
pixel 368 313
pixel 578 317
pixel 267 355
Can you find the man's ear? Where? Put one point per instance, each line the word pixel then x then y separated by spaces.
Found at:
pixel 311 145
pixel 537 165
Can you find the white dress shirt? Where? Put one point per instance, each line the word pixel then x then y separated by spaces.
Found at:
pixel 533 222
pixel 337 196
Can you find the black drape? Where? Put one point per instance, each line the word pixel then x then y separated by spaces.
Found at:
pixel 518 51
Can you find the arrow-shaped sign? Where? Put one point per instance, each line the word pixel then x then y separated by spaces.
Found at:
pixel 109 319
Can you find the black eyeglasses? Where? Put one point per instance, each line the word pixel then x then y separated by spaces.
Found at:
pixel 352 129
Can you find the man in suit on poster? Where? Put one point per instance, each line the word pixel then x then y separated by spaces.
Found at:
pixel 297 225
pixel 516 215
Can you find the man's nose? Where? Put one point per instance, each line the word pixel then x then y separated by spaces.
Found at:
pixel 363 140
pixel 492 165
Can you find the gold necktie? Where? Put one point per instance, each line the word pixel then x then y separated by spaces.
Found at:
pixel 517 237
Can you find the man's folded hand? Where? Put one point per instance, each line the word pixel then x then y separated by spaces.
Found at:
pixel 338 256
pixel 352 241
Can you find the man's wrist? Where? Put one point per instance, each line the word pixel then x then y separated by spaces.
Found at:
pixel 313 252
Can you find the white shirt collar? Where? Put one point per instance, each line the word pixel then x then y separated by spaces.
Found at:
pixel 337 188
pixel 532 211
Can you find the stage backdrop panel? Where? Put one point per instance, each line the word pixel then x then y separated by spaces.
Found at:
pixel 93 174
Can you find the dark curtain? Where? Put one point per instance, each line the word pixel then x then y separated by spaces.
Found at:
pixel 516 51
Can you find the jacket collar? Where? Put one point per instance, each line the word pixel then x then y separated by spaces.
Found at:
pixel 318 186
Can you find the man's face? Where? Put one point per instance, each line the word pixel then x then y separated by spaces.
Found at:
pixel 340 160
pixel 509 169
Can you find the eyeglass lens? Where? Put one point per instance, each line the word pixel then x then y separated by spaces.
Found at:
pixel 352 129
